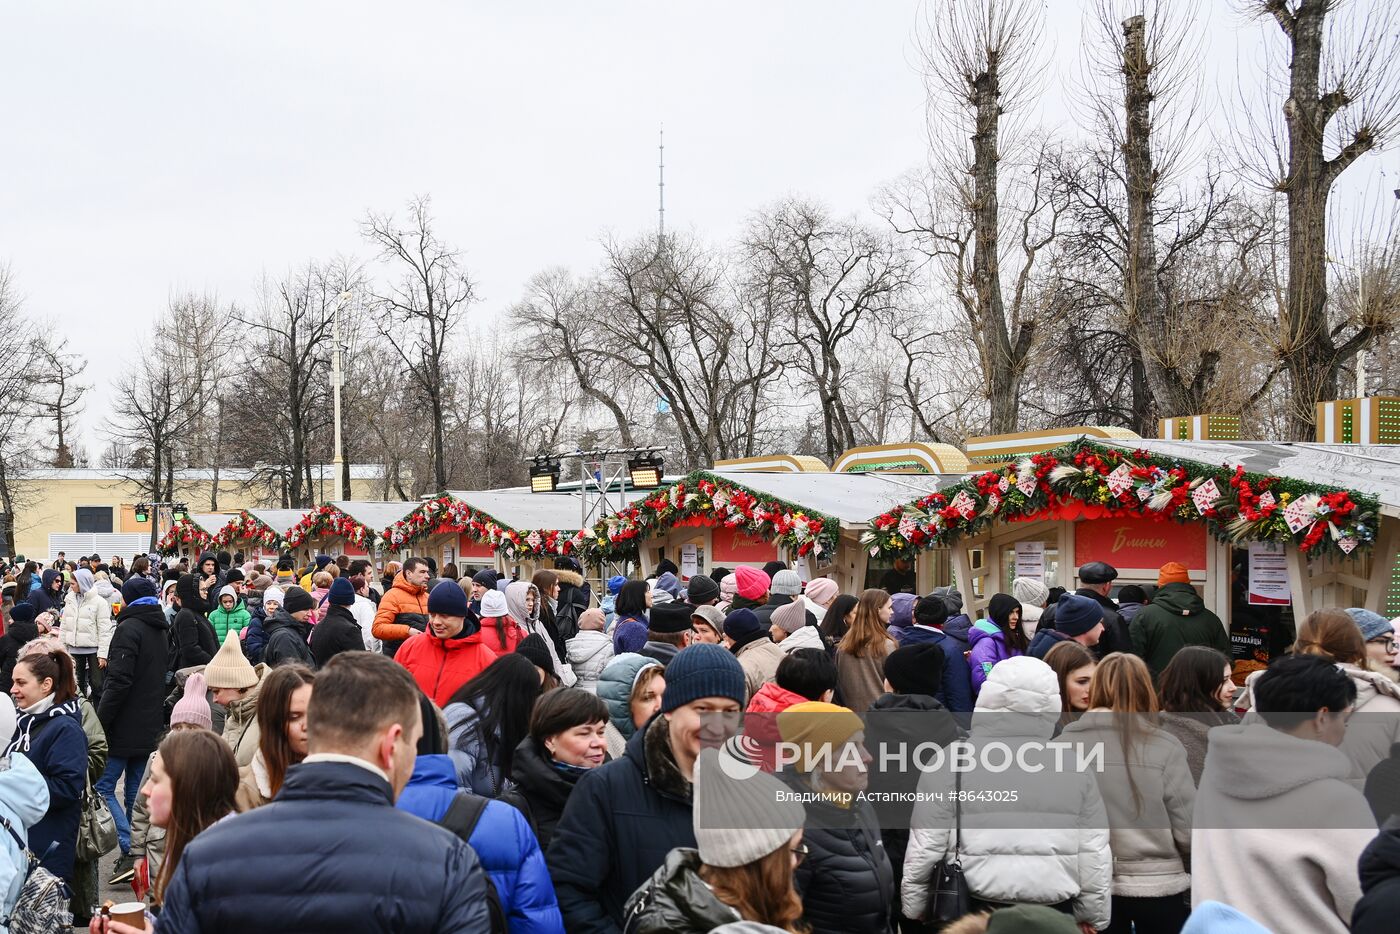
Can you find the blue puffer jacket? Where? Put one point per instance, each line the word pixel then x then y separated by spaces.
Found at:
pixel 503 841
pixel 55 743
pixel 620 822
pixel 24 797
pixel 330 854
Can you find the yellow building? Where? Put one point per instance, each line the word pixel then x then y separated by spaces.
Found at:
pixel 62 509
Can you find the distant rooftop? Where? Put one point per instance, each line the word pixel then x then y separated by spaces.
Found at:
pixel 325 472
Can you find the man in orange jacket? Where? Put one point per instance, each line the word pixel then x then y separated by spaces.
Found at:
pixel 404 609
pixel 450 652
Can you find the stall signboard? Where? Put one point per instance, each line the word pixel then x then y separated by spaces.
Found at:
pixel 1268 575
pixel 473 551
pixel 732 546
pixel 690 560
pixel 1138 542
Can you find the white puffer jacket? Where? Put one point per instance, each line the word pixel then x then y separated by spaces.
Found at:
pixel 589 653
pixel 87 622
pixel 806 637
pixel 1045 845
pixel 1151 844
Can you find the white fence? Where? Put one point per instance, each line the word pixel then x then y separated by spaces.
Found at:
pixel 105 544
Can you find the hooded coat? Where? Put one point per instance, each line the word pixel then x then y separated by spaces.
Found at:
pixel 54 741
pixel 226 621
pixel 402 611
pixel 132 703
pixel 620 823
pixel 441 666
pixel 541 790
pixel 1380 882
pixel 846 881
pixel 195 642
pixel 574 597
pixel 477 770
pixel 516 594
pixel 503 842
pixel 86 622
pixel 989 641
pixel 589 653
pixel 287 640
pixel 1057 849
pixel 45 599
pixel 956 692
pixel 24 798
pixel 1273 806
pixel 241 730
pixel 1176 618
pixel 615 688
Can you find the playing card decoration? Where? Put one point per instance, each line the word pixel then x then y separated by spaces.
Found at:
pixel 964 504
pixel 1003 484
pixel 1205 496
pixel 1299 514
pixel 1120 479
pixel 1027 486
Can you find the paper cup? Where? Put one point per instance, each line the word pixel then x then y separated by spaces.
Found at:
pixel 132 913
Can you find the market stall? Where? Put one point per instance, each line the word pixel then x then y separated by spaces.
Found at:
pixel 195 533
pixel 713 518
pixel 509 529
pixel 354 528
pixel 259 533
pixel 1299 525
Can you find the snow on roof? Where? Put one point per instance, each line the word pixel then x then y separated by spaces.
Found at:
pixel 852 498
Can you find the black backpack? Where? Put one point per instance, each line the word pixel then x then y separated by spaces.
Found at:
pixel 461 818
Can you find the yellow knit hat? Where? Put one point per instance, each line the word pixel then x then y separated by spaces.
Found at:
pixel 816 727
pixel 228 668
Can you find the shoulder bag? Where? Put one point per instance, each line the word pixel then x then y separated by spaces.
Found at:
pixel 948 897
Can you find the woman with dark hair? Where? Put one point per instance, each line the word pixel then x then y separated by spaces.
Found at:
pixel 49 733
pixel 1195 691
pixel 565 742
pixel 24 582
pixel 547 583
pixel 195 642
pixel 839 616
pixel 1074 667
pixel 486 720
pixel 995 638
pixel 860 655
pixel 630 624
pixel 282 701
pixel 192 786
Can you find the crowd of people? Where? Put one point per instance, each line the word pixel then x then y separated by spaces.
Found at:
pixel 332 747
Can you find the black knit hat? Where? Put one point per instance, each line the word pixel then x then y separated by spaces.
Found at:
pixel 533 648
pixel 294 600
pixel 915 669
pixel 701 589
pixel 671 617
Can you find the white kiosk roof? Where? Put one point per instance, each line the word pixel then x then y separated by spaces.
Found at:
pixel 279 520
pixel 852 498
pixel 519 509
pixel 375 516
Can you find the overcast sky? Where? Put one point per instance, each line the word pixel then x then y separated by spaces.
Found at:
pixel 159 147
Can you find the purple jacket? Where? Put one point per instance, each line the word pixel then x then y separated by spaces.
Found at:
pixel 988 648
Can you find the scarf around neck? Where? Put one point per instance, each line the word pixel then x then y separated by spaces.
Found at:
pixel 38 714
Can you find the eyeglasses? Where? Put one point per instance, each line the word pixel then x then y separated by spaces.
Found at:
pixel 1389 642
pixel 799 853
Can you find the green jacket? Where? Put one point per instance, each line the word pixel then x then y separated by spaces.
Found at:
pixel 1174 619
pixel 227 621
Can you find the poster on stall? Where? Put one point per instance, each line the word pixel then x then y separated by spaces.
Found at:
pixel 802 569
pixel 449 555
pixel 1268 575
pixel 690 561
pixel 1030 560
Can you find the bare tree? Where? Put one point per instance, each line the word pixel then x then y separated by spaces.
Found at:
pixel 421 309
pixel 829 281
pixel 156 408
pixel 59 374
pixel 1341 100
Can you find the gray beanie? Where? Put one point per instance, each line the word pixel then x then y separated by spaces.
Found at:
pixel 741 813
pixel 1372 625
pixel 786 582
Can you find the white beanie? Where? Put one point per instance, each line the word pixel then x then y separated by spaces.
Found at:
pixel 493 604
pixel 1029 591
pixel 274 595
pixel 741 814
pixel 1020 685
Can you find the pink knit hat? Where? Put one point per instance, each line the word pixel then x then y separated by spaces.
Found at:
pixel 728 587
pixel 822 590
pixel 751 583
pixel 194 706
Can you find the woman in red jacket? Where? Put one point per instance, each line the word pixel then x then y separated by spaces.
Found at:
pixel 449 653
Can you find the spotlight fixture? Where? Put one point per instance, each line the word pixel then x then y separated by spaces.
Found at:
pixel 544 475
pixel 142 512
pixel 645 471
pixel 178 512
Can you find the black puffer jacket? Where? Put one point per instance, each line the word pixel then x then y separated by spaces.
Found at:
pixel 1380 884
pixel 846 881
pixel 574 597
pixel 287 640
pixel 620 822
pixel 540 791
pixel 675 900
pixel 132 707
pixel 337 632
pixel 910 719
pixel 314 860
pixel 14 639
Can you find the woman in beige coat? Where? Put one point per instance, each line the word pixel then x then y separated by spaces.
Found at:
pixel 1147 791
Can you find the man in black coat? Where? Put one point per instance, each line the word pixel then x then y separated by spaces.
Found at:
pixel 331 853
pixel 21 629
pixel 624 817
pixel 338 631
pixel 1097 579
pixel 288 632
pixel 195 639
pixel 132 704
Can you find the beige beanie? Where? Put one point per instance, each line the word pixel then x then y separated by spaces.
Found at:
pixel 790 617
pixel 741 814
pixel 228 668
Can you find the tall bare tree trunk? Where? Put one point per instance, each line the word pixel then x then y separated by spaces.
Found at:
pixel 1003 370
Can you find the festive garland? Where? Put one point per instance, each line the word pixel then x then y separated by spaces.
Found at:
pixel 327 520
pixel 246 527
pixel 1235 505
pixel 445 513
pixel 184 532
pixel 715 501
